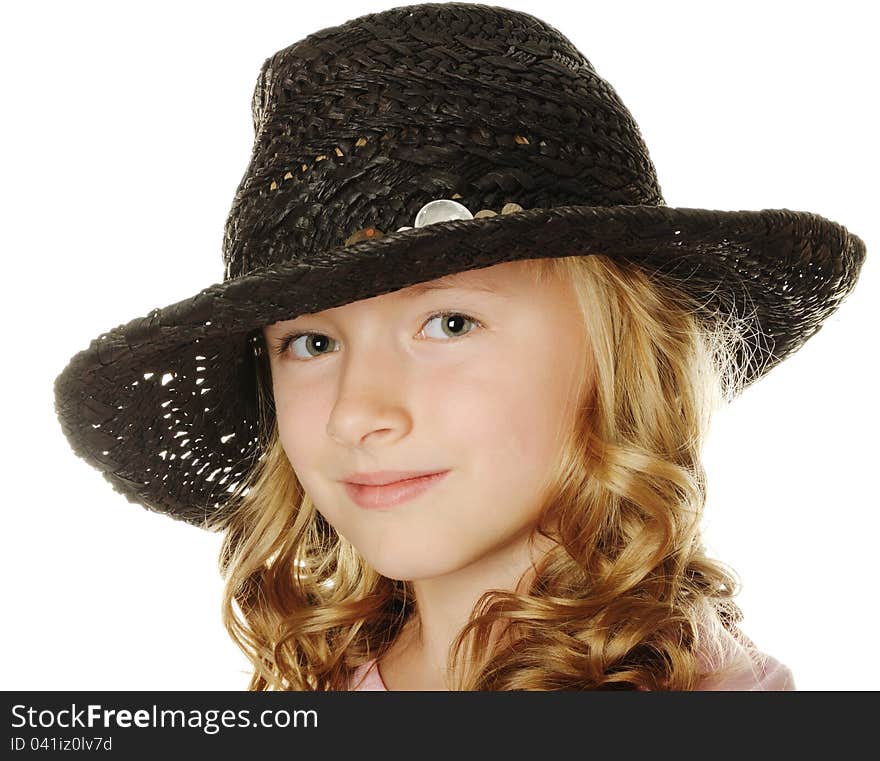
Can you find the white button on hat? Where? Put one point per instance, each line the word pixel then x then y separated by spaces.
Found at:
pixel 444 209
pixel 441 210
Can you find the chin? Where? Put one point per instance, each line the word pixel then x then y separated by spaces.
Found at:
pixel 412 568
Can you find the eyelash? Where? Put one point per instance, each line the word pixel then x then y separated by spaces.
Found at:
pixel 285 342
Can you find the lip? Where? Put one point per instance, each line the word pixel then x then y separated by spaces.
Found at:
pixel 385 477
pixel 390 494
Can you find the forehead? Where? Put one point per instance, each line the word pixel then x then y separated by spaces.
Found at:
pixel 505 278
pixel 487 280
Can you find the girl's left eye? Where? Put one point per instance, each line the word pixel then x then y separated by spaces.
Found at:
pixel 451 325
pixel 449 318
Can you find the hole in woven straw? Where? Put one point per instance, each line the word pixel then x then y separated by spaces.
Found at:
pixel 198 356
pixel 147 376
pixel 199 381
pixel 167 378
pixel 226 438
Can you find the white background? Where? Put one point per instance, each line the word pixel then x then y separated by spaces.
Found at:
pixel 126 130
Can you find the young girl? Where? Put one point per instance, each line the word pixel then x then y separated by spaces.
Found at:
pixel 563 402
pixel 448 405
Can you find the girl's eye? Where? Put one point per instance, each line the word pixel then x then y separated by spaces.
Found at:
pixel 316 340
pixel 451 324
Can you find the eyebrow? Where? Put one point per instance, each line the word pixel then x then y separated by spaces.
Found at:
pixel 449 283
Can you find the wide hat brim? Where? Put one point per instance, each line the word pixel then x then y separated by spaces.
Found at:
pixel 164 405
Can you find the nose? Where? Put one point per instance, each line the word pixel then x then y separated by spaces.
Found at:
pixel 371 397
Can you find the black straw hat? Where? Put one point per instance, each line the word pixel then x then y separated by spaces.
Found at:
pixel 397 148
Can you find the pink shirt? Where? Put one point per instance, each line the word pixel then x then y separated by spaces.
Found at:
pixel 755 671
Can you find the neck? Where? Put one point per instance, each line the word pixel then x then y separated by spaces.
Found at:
pixel 418 658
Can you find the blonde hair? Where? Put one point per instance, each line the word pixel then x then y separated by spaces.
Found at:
pixel 617 603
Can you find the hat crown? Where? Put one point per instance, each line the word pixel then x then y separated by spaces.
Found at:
pixel 358 126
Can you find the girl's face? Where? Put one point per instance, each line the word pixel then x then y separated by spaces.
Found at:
pixel 486 392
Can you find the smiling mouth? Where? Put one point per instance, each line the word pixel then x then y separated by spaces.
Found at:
pixel 387 477
pixel 388 495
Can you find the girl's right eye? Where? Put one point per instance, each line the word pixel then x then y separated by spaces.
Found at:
pixel 311 339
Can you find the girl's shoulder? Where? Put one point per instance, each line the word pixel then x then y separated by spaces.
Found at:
pixel 744 666
pixel 759 672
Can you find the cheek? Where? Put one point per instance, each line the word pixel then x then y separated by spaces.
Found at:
pixel 512 426
pixel 302 418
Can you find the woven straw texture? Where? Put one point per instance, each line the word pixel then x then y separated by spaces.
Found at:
pixel 356 128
